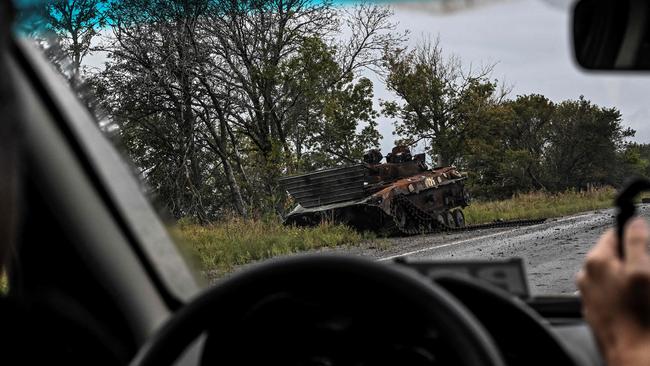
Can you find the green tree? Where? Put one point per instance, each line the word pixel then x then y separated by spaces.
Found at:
pixel 439 101
pixel 635 160
pixel 216 100
pixel 334 120
pixel 255 49
pixel 75 24
pixel 531 143
pixel 494 170
pixel 528 135
pixel 153 92
pixel 584 145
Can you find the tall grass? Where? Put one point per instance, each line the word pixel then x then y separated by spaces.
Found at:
pixel 539 205
pixel 222 246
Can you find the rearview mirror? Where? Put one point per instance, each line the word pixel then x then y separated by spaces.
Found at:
pixel 612 34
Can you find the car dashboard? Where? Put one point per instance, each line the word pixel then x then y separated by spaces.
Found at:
pixel 528 329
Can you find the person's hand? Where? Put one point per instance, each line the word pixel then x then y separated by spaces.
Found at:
pixel 616 295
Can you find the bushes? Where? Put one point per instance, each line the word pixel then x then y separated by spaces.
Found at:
pixel 539 205
pixel 536 144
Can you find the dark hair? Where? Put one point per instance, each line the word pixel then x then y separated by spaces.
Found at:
pixel 9 146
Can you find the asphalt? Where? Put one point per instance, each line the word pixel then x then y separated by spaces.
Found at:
pixel 553 251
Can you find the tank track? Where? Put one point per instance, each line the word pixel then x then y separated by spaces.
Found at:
pixel 418 221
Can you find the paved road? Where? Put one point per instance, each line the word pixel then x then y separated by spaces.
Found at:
pixel 553 251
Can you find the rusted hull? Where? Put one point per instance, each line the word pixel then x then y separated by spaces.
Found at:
pixel 439 200
pixel 328 186
pixel 361 216
pixel 381 212
pixel 432 192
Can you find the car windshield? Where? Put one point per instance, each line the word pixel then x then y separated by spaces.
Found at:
pixel 443 129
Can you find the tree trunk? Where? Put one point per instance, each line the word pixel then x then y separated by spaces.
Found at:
pixel 238 200
pixel 536 181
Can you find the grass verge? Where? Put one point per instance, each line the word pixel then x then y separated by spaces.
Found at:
pixel 220 247
pixel 539 205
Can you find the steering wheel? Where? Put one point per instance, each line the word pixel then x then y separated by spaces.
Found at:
pixel 332 279
pixel 491 305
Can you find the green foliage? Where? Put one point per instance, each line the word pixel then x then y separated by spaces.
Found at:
pixel 221 247
pixel 333 120
pixel 584 145
pixel 506 146
pixel 635 160
pixel 216 101
pixel 537 144
pixel 440 102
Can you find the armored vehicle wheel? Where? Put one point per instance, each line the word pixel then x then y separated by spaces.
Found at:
pixel 401 216
pixel 459 218
pixel 449 219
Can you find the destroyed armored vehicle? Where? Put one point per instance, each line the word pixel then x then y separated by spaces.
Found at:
pixel 402 195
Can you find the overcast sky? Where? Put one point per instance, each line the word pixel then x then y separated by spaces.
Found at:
pixel 529 42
